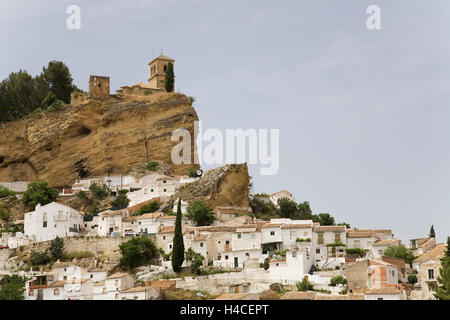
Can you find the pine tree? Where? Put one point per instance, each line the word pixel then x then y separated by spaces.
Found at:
pixel 178 244
pixel 170 78
pixel 443 289
pixel 432 234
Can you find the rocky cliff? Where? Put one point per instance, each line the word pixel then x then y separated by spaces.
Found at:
pixel 97 137
pixel 223 186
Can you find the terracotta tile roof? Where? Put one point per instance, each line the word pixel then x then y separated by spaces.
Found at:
pixel 168 229
pixel 99 283
pixel 298 295
pixel 296 226
pixel 232 296
pixel 361 234
pixel 272 225
pixel 166 218
pixel 57 284
pixel 162 57
pixel 385 290
pixel 436 253
pixel 117 275
pixel 329 228
pixel 109 213
pixel 386 242
pixel 373 262
pixel 330 297
pixel 136 289
pixel 63 282
pixel 153 215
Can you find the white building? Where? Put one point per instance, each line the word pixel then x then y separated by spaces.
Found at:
pixel 274 197
pixel 51 221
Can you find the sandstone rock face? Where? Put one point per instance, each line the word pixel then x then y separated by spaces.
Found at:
pixel 96 138
pixel 223 186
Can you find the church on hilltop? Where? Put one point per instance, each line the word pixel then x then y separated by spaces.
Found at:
pixel 156 82
pixel 99 86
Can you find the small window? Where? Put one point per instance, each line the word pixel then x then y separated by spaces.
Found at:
pixel 165 190
pixel 226 257
pixel 227 242
pixel 152 190
pixel 318 250
pixel 272 233
pixel 164 237
pixel 201 244
pixel 239 235
pixel 431 274
pixel 164 181
pixel 44 224
pixel 170 246
pixel 56 292
pixel 31 293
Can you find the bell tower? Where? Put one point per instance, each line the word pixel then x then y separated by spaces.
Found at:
pixel 158 69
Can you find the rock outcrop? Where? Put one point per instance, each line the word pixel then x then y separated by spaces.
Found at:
pixel 97 137
pixel 223 186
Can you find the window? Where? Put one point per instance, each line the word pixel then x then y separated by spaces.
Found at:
pixel 272 233
pixel 170 246
pixel 431 274
pixel 318 250
pixel 226 257
pixel 253 235
pixel 44 224
pixel 92 276
pixel 116 283
pixel 152 190
pixel 357 243
pixel 164 237
pixel 165 190
pixel 227 242
pixel 239 235
pixel 320 238
pixel 165 68
pixel 247 254
pixel 56 292
pixel 31 293
pixel 337 237
pixel 164 181
pixel 201 244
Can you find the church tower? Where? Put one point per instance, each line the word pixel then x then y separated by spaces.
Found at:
pixel 158 69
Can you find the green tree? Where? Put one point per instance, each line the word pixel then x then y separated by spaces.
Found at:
pixel 39 192
pixel 412 279
pixel 56 248
pixel 121 201
pixel 12 287
pixel 432 234
pixel 49 99
pixel 148 208
pixel 192 173
pixel 18 96
pixel 39 258
pixel 265 264
pixel 170 78
pixel 178 244
pixel 59 80
pixel 137 252
pixel 325 219
pixel 200 213
pixel 443 288
pixel 5 192
pixel 399 252
pixel 288 208
pixel 196 261
pixel 304 211
pixel 99 192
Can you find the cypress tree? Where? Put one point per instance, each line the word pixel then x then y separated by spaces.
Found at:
pixel 170 78
pixel 432 234
pixel 178 244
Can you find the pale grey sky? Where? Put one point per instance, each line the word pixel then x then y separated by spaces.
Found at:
pixel 363 115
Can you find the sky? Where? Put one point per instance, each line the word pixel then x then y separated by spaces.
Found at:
pixel 363 114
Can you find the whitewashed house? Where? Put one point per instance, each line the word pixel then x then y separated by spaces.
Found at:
pixel 110 223
pixel 51 221
pixel 329 246
pixel 140 293
pixel 274 197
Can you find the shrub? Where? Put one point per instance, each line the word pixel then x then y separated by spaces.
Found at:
pixel 79 255
pixel 265 264
pixel 194 173
pixel 152 166
pixel 12 287
pixel 99 192
pixel 305 285
pixel 303 240
pixel 148 208
pixel 200 213
pixel 39 258
pixel 412 279
pixel 121 201
pixel 356 251
pixel 5 192
pixel 5 215
pixel 338 280
pixel 147 92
